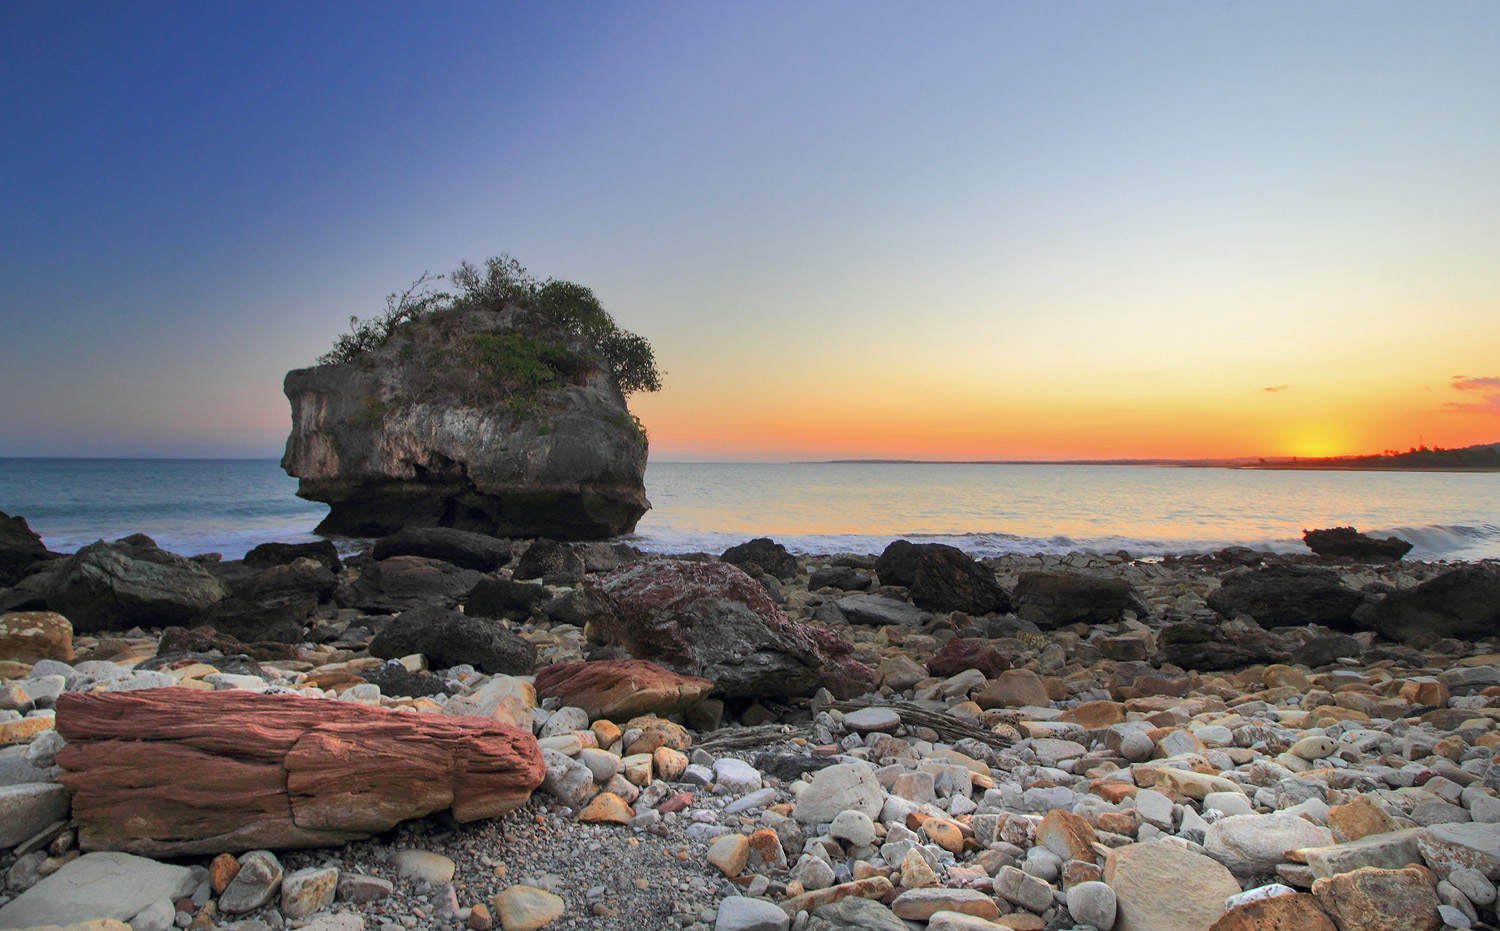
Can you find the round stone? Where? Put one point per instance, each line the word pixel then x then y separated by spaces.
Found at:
pixel 853 827
pixel 1092 903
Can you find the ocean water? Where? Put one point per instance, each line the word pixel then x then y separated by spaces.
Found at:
pixel 228 506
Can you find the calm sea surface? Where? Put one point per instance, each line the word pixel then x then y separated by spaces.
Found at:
pixel 227 506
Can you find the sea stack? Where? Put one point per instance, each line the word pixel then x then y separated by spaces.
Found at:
pixel 498 421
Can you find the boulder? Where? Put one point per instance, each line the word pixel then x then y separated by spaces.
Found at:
pixel 766 554
pixel 1462 603
pixel 944 578
pixel 1055 599
pixel 267 555
pixel 275 604
pixel 21 550
pixel 1211 647
pixel 1350 543
pixel 449 638
pixel 178 772
pixel 400 439
pixel 1252 845
pixel 552 562
pixel 1391 900
pixel 1286 912
pixel 621 688
pixel 28 636
pixel 514 601
pixel 1139 874
pixel 462 548
pixel 880 611
pixel 1288 596
pixel 204 640
pixel 897 563
pixel 843 578
pixel 403 582
pixel 124 584
pixel 963 653
pixel 710 619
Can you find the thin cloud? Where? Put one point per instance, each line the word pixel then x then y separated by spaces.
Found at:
pixel 1487 387
pixel 1275 388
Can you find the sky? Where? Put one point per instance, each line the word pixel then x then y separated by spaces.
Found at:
pixel 865 229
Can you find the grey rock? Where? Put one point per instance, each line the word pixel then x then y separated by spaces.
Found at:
pixel 881 611
pixel 742 913
pixel 27 808
pixel 854 913
pixel 97 885
pixel 119 585
pixel 257 882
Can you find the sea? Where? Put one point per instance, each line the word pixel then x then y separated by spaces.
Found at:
pixel 227 506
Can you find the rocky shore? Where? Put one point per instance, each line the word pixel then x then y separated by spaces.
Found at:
pixel 454 731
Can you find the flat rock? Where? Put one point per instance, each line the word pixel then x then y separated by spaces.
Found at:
pixel 1139 873
pixel 462 548
pixel 860 914
pixel 1013 688
pixel 920 904
pixel 97 885
pixel 526 908
pixel 881 611
pixel 1391 850
pixel 622 688
pixel 1055 599
pixel 175 772
pixel 1252 845
pixel 1447 847
pixel 743 913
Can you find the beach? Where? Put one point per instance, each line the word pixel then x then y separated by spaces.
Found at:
pixel 1018 742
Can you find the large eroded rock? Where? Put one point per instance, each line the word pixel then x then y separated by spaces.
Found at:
pixel 177 772
pixel 710 619
pixel 1463 603
pixel 401 440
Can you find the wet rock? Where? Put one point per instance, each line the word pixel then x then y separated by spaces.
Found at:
pixel 267 555
pixel 769 556
pixel 1350 543
pixel 553 562
pixel 1462 603
pixel 449 638
pixel 713 621
pixel 171 772
pixel 401 583
pixel 1288 596
pixel 465 549
pixel 1055 599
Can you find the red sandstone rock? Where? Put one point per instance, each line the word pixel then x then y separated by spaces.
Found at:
pixel 173 772
pixel 963 653
pixel 621 688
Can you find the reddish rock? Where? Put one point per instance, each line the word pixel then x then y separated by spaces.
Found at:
pixel 177 772
pixel 711 619
pixel 27 636
pixel 1297 912
pixel 621 688
pixel 963 653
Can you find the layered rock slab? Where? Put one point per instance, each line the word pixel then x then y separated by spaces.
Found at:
pixel 173 772
pixel 622 688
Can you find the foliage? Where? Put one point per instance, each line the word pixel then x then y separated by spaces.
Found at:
pixel 501 283
pixel 365 335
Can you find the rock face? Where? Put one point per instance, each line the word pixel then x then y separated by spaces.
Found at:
pixel 1053 599
pixel 116 586
pixel 1288 596
pixel 174 772
pixel 406 439
pixel 1463 603
pixel 713 620
pixel 1348 542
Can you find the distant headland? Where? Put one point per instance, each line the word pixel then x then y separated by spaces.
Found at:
pixel 1482 458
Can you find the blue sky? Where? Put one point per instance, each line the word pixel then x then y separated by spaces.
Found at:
pixel 955 230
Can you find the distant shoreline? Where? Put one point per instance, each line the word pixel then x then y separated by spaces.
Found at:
pixel 1249 464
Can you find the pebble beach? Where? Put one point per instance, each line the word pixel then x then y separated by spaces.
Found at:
pixel 1119 745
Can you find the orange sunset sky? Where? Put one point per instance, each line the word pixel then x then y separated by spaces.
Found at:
pixel 968 230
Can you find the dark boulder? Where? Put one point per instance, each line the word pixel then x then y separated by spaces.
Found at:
pixel 897 563
pixel 944 578
pixel 267 555
pixel 21 550
pixel 1055 599
pixel 552 562
pixel 1208 647
pixel 120 585
pixel 1328 649
pixel 274 604
pixel 1350 543
pixel 1288 596
pixel 448 638
pixel 404 582
pixel 771 558
pixel 397 681
pixel 462 548
pixel 843 578
pixel 237 664
pixel 710 619
pixel 504 598
pixel 1462 603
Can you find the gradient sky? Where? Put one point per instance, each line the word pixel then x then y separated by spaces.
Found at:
pixel 850 229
